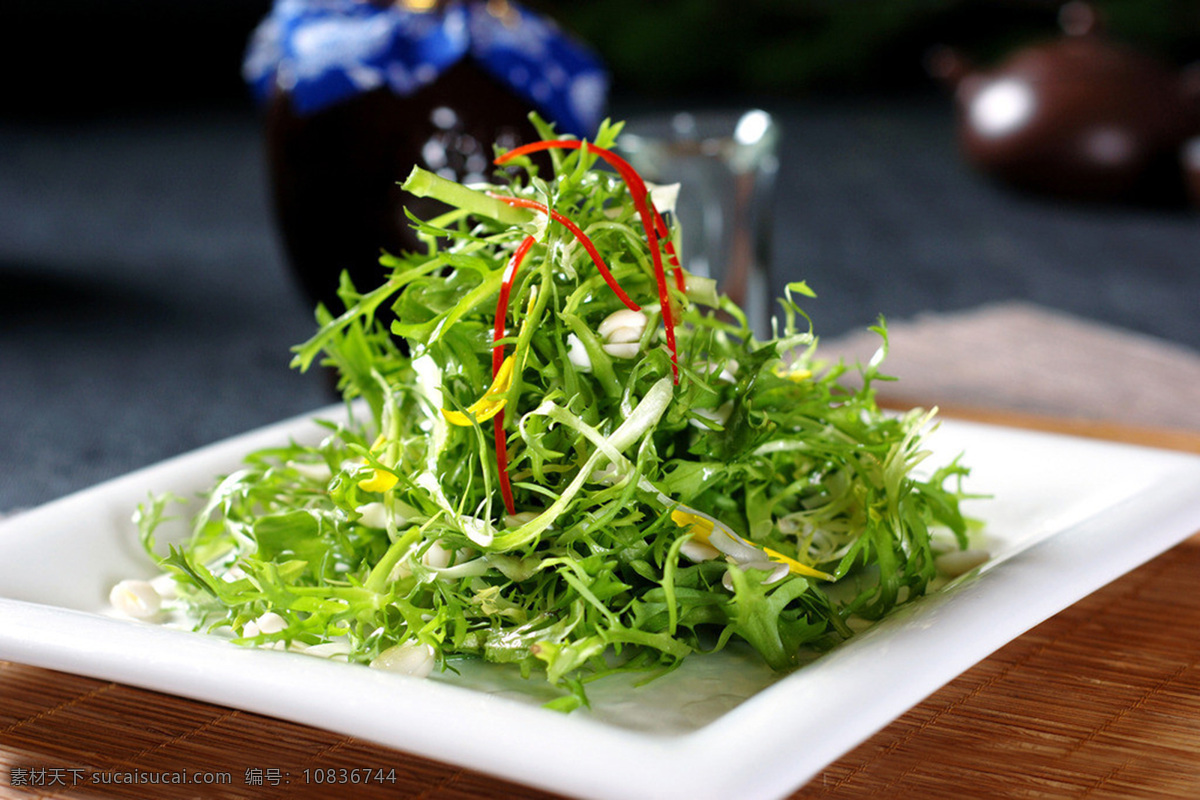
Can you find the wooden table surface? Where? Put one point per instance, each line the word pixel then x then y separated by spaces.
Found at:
pixel 1100 701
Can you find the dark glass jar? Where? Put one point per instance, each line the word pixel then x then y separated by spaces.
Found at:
pixel 335 171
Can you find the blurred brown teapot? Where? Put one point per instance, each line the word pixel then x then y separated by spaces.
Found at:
pixel 1080 117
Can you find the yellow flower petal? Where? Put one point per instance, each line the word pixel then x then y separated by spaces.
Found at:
pixel 479 412
pixel 702 528
pixel 490 404
pixel 698 526
pixel 793 374
pixel 380 481
pixel 795 566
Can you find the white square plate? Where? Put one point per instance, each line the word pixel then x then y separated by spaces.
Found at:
pixel 1066 516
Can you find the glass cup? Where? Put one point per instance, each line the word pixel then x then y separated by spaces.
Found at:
pixel 725 163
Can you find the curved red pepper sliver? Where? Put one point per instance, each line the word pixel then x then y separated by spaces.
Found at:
pixel 637 186
pixel 661 225
pixel 506 284
pixel 580 236
pixel 510 503
pixel 501 440
pixel 651 221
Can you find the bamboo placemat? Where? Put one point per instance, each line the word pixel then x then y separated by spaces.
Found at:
pixel 1100 701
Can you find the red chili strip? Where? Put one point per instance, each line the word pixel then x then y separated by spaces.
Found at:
pixel 501 440
pixel 661 225
pixel 510 504
pixel 650 222
pixel 506 284
pixel 580 236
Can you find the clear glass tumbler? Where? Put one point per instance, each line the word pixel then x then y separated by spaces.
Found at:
pixel 725 163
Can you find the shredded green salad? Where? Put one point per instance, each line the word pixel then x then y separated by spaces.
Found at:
pixel 547 465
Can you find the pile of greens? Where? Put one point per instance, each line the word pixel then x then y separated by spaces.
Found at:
pixel 663 502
